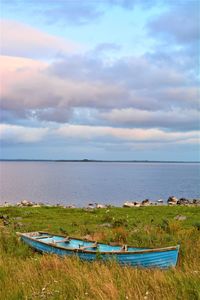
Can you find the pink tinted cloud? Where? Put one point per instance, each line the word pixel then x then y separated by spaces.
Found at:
pixel 124 134
pixel 17 133
pixel 174 117
pixel 18 39
pixel 26 85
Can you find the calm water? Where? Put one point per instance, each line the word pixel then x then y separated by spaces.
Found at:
pixel 111 183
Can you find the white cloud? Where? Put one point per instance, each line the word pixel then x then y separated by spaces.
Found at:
pixel 21 134
pixel 174 118
pixel 78 133
pixel 124 134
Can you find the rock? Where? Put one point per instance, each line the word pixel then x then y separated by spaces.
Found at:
pixel 131 204
pixel 36 205
pixel 128 204
pixel 196 201
pixel 180 218
pixel 183 201
pixel 160 200
pixel 100 205
pixel 70 206
pixel 90 206
pixel 146 202
pixel 26 203
pixel 172 200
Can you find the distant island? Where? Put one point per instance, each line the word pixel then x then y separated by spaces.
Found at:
pixel 98 161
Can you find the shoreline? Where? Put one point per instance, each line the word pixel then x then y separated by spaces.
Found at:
pixel 172 201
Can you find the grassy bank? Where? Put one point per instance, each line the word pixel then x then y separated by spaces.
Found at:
pixel 25 274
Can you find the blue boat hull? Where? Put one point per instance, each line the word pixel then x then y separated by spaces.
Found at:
pixel 138 257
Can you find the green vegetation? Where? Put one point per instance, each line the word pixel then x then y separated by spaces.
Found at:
pixel 25 274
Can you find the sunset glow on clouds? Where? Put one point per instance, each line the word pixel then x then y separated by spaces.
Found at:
pixel 107 80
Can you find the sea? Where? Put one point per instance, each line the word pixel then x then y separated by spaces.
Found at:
pixel 80 183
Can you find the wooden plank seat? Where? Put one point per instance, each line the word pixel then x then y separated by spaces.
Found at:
pixel 124 248
pixel 43 237
pixel 95 245
pixel 65 240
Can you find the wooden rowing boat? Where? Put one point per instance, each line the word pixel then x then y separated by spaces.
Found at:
pixel 88 250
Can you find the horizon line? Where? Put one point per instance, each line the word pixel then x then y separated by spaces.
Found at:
pixel 98 160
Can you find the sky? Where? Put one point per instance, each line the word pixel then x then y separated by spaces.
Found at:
pixel 107 79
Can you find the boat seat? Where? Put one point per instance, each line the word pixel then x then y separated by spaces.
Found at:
pixel 95 245
pixel 43 237
pixel 124 248
pixel 65 240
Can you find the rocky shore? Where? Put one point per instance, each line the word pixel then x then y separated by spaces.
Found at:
pixel 172 201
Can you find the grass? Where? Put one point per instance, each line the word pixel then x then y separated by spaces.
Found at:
pixel 25 274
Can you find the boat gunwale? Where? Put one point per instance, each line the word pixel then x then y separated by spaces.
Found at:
pixel 79 250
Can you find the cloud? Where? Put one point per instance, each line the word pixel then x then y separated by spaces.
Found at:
pixel 173 119
pixel 20 134
pixel 74 13
pixel 26 86
pixel 179 23
pixel 124 134
pixel 135 72
pixel 53 91
pixel 18 39
pixel 70 12
pixel 146 85
pixel 99 98
pixel 103 134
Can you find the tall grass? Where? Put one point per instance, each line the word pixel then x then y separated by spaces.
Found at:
pixel 25 274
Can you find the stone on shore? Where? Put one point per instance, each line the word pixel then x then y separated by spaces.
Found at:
pixel 101 205
pixel 146 202
pixel 70 206
pixel 184 201
pixel 131 204
pixel 196 201
pixel 172 200
pixel 92 206
pixel 160 200
pixel 25 203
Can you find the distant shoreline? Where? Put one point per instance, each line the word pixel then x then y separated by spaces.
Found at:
pixel 95 161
